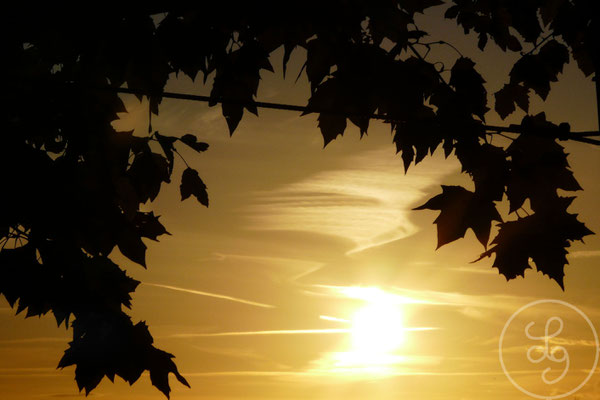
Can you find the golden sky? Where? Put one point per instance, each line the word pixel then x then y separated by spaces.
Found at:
pixel 309 277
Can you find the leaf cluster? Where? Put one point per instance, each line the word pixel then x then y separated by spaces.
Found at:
pixel 74 186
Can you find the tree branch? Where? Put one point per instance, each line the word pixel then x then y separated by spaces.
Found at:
pixel 575 136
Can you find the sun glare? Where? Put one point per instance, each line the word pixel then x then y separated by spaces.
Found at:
pixel 376 331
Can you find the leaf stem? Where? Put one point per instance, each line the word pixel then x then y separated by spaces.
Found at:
pixel 180 156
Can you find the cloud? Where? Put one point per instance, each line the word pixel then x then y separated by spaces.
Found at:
pixel 316 373
pixel 266 332
pixel 585 253
pixel 35 340
pixel 368 202
pixel 28 372
pixel 294 268
pixel 474 270
pixel 472 306
pixel 215 295
pixel 280 332
pixel 555 341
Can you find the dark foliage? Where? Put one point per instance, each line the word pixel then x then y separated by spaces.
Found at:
pixel 73 186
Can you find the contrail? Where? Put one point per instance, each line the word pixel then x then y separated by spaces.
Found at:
pixel 274 332
pixel 284 332
pixel 215 295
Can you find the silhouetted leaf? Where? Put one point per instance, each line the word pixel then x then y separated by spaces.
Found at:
pixel 536 71
pixel 146 173
pixel 419 6
pixel 191 141
pixel 233 115
pixel 111 345
pixel 543 237
pixel 318 62
pixel 538 166
pixel 461 210
pixel 160 365
pixel 148 225
pixel 166 143
pixel 488 167
pixel 191 184
pixel 416 138
pixel 126 197
pixel 468 84
pixel 508 96
pixel 131 246
pixel 325 100
pixel 331 126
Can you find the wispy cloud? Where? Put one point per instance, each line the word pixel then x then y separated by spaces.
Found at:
pixel 367 203
pixel 474 306
pixel 328 318
pixel 208 294
pixel 345 375
pixel 585 253
pixel 369 293
pixel 34 340
pixel 474 270
pixel 555 341
pixel 284 332
pixel 297 267
pixel 28 372
pixel 267 332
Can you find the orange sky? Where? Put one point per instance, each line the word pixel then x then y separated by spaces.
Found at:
pixel 256 295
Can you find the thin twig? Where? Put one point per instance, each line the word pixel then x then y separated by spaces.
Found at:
pixel 501 134
pixel 419 56
pixel 441 42
pixel 537 45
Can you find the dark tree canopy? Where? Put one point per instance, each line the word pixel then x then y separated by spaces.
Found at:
pixel 73 186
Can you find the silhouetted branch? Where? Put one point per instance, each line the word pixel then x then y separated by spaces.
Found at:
pixel 576 136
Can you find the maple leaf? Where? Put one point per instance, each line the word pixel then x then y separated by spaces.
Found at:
pixel 460 210
pixel 112 345
pixel 318 62
pixel 537 71
pixel 508 96
pixel 191 184
pixel 417 137
pixel 147 172
pixel 131 246
pixel 166 144
pixel 487 165
pixel 192 141
pixel 538 166
pixel 542 237
pixel 324 99
pixel 469 86
pixel 148 225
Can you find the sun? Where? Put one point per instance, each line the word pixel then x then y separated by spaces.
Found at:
pixel 378 342
pixel 377 329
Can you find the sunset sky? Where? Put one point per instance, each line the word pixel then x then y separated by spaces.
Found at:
pixel 309 277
